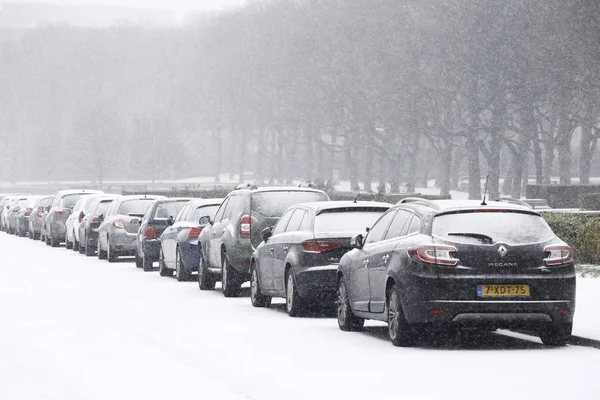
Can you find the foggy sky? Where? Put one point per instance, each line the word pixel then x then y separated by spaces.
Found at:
pixel 167 4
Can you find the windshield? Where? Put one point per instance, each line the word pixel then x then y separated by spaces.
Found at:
pixel 506 227
pixel 345 221
pixel 273 204
pixel 70 200
pixel 168 209
pixel 137 206
pixel 200 212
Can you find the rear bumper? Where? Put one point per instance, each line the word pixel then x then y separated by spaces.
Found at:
pixel 123 243
pixel 317 282
pixel 189 256
pixel 151 249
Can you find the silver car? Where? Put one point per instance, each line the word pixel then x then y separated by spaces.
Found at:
pixel 35 218
pixel 118 231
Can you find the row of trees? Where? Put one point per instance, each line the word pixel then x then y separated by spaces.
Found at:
pixel 388 93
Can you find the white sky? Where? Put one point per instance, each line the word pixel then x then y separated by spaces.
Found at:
pixel 170 4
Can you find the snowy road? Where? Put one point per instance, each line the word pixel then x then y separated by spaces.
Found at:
pixel 78 328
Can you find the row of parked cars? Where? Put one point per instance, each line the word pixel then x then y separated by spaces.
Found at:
pixel 419 265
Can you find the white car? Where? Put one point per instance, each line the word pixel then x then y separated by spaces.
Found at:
pixel 80 209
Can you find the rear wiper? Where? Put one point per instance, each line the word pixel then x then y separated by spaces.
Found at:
pixel 481 236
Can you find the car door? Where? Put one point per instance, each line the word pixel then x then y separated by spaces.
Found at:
pixel 267 252
pixel 381 253
pixel 282 246
pixel 359 289
pixel 169 236
pixel 215 236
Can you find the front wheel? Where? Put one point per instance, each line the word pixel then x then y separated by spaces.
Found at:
pixel 229 285
pixel 398 327
pixel 256 297
pixel 294 304
pixel 205 280
pixel 347 321
pixel 556 335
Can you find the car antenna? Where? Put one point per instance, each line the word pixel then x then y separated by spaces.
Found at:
pixel 483 203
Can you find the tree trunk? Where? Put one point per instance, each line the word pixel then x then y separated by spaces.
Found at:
pixel 455 174
pixel 539 165
pixel 413 161
pixel 474 171
pixel 368 167
pixel 587 145
pixel 446 169
pixel 218 135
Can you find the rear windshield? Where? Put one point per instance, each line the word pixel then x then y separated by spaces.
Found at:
pixel 170 209
pixel 346 220
pixel 273 204
pixel 22 203
pixel 137 206
pixel 70 200
pixel 102 207
pixel 508 227
pixel 208 211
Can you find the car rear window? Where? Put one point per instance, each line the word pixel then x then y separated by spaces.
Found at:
pixel 509 227
pixel 137 206
pixel 102 207
pixel 200 212
pixel 22 203
pixel 346 220
pixel 273 204
pixel 170 209
pixel 70 200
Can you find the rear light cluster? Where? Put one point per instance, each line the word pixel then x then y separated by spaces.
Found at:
pixel 150 233
pixel 245 227
pixel 27 213
pixel 38 213
pixel 58 212
pixel 558 255
pixel 94 220
pixel 440 255
pixel 194 233
pixel 119 224
pixel 320 246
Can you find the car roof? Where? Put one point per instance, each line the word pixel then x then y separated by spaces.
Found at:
pixel 77 191
pixel 142 196
pixel 319 206
pixel 173 199
pixel 458 205
pixel 205 202
pixel 278 189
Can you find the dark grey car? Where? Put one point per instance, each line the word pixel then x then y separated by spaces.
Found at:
pixel 298 258
pixel 442 264
pixel 227 244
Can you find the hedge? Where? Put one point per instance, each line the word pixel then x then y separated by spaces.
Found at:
pixel 580 230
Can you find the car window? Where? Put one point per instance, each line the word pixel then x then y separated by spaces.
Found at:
pixel 415 225
pixel 346 220
pixel 135 206
pixel 233 206
pixel 70 200
pixel 378 230
pixel 296 220
pixel 219 215
pixel 283 222
pixel 112 210
pixel 165 210
pixel 204 211
pixel 273 204
pixel 182 213
pixel 399 224
pixel 102 207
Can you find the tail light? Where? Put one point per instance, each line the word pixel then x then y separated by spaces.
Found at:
pixel 38 214
pixel 27 213
pixel 94 220
pixel 557 255
pixel 58 212
pixel 441 255
pixel 245 226
pixel 80 219
pixel 320 246
pixel 194 232
pixel 150 233
pixel 119 224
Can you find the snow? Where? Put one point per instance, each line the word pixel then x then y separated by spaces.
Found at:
pixel 80 328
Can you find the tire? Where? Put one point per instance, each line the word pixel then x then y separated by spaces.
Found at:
pixel 110 254
pixel 139 263
pixel 399 330
pixel 54 242
pixel 294 304
pixel 347 321
pixel 205 279
pixel 230 287
pixel 30 234
pixel 36 236
pixel 101 253
pixel 89 252
pixel 256 297
pixel 147 265
pixel 76 245
pixel 180 273
pixel 162 267
pixel 556 335
pixel 69 245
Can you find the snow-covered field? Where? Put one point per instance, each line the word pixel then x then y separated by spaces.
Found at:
pixel 78 328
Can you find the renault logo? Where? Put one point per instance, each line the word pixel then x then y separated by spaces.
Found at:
pixel 502 251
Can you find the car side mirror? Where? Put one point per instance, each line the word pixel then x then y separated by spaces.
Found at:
pixel 266 233
pixel 41 208
pixel 47 208
pixel 8 207
pixel 170 220
pixel 81 215
pixel 356 242
pixel 101 217
pixel 205 220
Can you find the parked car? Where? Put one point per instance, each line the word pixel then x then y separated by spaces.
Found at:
pixel 298 258
pixel 80 210
pixel 35 218
pixel 23 215
pixel 449 263
pixel 16 204
pixel 45 213
pixel 60 209
pixel 118 230
pixel 228 242
pixel 4 202
pixel 155 221
pixel 86 235
pixel 179 241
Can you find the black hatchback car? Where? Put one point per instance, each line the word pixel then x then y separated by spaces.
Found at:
pixel 298 258
pixel 441 264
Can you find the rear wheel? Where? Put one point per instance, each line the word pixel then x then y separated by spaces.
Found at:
pixel 162 267
pixel 138 261
pixel 111 255
pixel 101 253
pixel 347 321
pixel 256 297
pixel 205 280
pixel 294 304
pixel 398 328
pixel 89 251
pixel 556 335
pixel 75 245
pixel 180 272
pixel 54 242
pixel 68 245
pixel 229 284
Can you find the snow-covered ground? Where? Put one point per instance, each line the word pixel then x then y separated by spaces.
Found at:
pixel 73 327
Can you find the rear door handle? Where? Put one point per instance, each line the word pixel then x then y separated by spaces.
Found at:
pixel 285 249
pixel 271 249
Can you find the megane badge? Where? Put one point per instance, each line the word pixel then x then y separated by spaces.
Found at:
pixel 502 251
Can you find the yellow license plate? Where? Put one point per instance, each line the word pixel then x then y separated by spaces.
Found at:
pixel 503 290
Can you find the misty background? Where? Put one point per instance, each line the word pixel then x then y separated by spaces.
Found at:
pixel 385 94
